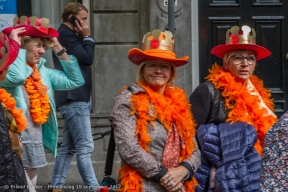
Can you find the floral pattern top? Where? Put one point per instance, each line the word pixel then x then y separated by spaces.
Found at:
pixel 274 174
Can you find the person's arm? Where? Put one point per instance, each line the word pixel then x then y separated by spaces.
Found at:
pixel 187 167
pixel 17 72
pixel 71 76
pixel 130 151
pixel 68 79
pixel 192 163
pixel 59 49
pixel 184 172
pixel 84 52
pixel 201 101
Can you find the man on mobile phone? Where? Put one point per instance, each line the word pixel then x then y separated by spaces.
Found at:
pixel 74 105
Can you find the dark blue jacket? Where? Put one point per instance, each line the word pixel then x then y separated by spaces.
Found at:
pixel 12 171
pixel 228 147
pixel 83 51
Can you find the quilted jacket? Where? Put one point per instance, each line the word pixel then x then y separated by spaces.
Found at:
pixel 228 147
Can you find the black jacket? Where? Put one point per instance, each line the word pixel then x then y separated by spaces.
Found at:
pixel 11 168
pixel 83 51
pixel 208 104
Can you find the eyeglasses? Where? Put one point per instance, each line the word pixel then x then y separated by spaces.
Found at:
pixel 154 66
pixel 238 59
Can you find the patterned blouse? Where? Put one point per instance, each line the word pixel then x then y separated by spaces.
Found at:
pixel 274 174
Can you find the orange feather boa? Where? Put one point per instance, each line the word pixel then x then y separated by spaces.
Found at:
pixel 38 96
pixel 243 106
pixel 10 103
pixel 172 107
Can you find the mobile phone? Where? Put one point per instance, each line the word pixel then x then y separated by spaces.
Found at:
pixel 72 20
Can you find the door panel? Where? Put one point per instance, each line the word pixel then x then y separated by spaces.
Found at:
pixel 24 7
pixel 269 20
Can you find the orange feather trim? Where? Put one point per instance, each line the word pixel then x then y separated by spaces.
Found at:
pixel 10 103
pixel 38 96
pixel 243 106
pixel 171 107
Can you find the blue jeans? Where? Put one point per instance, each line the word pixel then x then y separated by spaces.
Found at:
pixel 77 138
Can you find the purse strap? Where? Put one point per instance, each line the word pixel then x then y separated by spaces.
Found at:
pixel 110 155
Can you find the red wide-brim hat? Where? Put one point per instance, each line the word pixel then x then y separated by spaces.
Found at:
pixel 220 50
pixel 137 56
pixel 10 52
pixel 33 31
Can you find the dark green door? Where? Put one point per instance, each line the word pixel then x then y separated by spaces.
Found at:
pixel 269 19
pixel 24 7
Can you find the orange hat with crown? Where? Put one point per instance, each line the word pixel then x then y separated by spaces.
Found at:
pixel 244 38
pixel 9 50
pixel 34 26
pixel 157 46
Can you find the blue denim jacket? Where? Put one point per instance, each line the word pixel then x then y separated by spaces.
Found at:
pixel 68 79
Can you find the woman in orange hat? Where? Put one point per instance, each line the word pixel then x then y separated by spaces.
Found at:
pixel 152 123
pixel 12 123
pixel 233 112
pixel 32 85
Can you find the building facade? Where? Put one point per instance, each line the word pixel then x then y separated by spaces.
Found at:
pixel 119 25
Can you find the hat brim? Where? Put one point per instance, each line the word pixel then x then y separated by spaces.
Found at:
pixel 12 50
pixel 137 56
pixel 33 31
pixel 220 50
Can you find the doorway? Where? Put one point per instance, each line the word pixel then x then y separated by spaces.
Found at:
pixel 270 22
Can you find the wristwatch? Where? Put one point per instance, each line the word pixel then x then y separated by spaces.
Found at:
pixel 59 53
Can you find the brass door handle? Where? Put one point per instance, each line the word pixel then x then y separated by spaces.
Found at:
pixel 287 56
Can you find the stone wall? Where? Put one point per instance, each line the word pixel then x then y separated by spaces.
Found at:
pixel 117 26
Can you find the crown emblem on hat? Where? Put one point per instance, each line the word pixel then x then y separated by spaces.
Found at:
pixel 245 35
pixel 41 24
pixel 158 40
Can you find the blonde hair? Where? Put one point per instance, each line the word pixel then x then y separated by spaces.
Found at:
pixel 25 40
pixel 140 73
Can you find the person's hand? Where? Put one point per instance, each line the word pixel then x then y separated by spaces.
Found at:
pixel 55 42
pixel 178 188
pixel 172 180
pixel 15 34
pixel 56 47
pixel 82 28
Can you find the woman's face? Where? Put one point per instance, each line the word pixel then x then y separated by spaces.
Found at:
pixel 241 64
pixel 34 50
pixel 157 74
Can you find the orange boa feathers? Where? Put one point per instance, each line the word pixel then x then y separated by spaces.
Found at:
pixel 10 103
pixel 243 106
pixel 38 96
pixel 172 107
